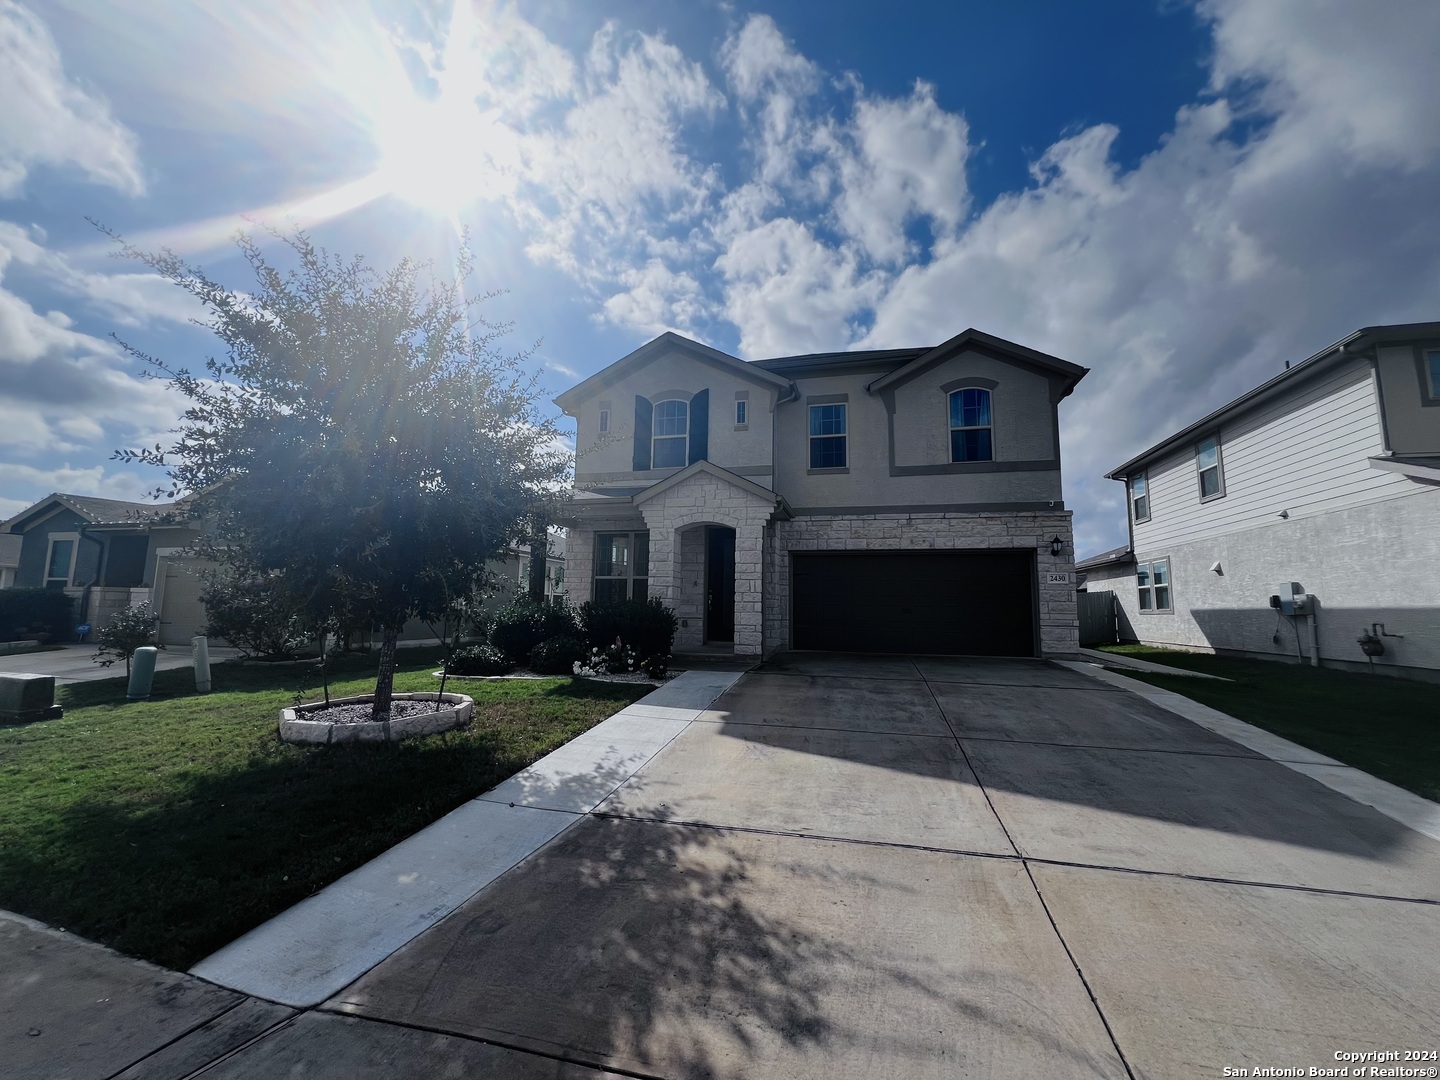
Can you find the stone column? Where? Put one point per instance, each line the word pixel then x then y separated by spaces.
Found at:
pixel 579 564
pixel 663 581
pixel 749 588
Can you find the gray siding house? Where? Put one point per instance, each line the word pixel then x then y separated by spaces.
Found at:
pixel 1327 475
pixel 903 500
pixel 108 555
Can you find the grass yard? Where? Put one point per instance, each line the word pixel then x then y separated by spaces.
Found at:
pixel 1387 727
pixel 168 828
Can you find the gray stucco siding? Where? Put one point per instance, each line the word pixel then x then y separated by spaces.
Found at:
pixel 1020 403
pixel 1414 424
pixel 612 454
pixel 1305 455
pixel 1368 563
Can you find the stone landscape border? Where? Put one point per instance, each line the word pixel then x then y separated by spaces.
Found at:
pixel 295 728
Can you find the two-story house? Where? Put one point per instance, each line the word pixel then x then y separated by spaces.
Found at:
pixel 904 500
pixel 1327 475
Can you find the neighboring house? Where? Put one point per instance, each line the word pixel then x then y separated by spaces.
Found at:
pixel 109 555
pixel 9 558
pixel 1327 475
pixel 514 572
pixel 904 500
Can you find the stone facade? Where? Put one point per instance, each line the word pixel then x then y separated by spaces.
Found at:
pixel 1058 618
pixel 703 499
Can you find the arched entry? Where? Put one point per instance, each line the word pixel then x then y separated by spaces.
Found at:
pixel 719 585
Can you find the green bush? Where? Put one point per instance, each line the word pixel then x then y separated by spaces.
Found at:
pixel 41 614
pixel 254 616
pixel 523 624
pixel 647 626
pixel 479 660
pixel 126 631
pixel 557 656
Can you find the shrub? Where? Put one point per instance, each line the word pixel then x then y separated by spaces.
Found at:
pixel 254 617
pixel 648 626
pixel 43 614
pixel 523 624
pixel 558 656
pixel 479 660
pixel 127 631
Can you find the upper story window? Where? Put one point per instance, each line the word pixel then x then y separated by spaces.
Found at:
pixel 742 413
pixel 1432 371
pixel 604 421
pixel 1140 497
pixel 827 436
pixel 971 431
pixel 1208 468
pixel 670 434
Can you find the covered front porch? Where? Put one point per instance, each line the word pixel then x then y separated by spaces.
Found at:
pixel 696 541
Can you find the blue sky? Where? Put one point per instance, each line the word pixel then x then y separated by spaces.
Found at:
pixel 1181 196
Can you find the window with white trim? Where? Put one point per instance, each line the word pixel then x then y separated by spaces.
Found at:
pixel 1152 579
pixel 1208 469
pixel 971 430
pixel 827 436
pixel 622 566
pixel 669 435
pixel 742 413
pixel 604 421
pixel 1140 497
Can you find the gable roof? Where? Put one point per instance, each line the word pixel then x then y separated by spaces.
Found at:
pixel 1347 348
pixel 710 468
pixel 1069 373
pixel 667 342
pixel 798 365
pixel 95 510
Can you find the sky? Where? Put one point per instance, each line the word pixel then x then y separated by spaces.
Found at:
pixel 1179 196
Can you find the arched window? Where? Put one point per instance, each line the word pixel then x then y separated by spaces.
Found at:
pixel 669 435
pixel 971 431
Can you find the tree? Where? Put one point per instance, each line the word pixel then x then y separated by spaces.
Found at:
pixel 362 439
pixel 126 631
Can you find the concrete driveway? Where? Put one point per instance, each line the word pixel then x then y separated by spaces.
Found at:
pixel 864 867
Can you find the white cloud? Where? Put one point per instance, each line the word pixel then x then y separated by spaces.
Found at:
pixel 94 480
pixel 47 119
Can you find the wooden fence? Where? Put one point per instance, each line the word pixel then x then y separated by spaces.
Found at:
pixel 1097 619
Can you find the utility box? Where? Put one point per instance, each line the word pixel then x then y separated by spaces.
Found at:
pixel 27 698
pixel 1290 598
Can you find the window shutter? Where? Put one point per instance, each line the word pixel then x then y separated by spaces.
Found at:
pixel 643 413
pixel 699 427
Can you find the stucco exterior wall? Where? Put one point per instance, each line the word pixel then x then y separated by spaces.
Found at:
pixel 1412 416
pixel 1058 617
pixel 610 458
pixel 1364 564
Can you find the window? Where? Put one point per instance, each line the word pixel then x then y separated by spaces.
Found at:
pixel 1432 369
pixel 742 413
pixel 622 566
pixel 1140 497
pixel 827 436
pixel 59 563
pixel 1207 467
pixel 669 435
pixel 1153 581
pixel 604 421
pixel 970 427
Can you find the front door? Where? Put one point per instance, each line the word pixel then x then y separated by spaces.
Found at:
pixel 719 584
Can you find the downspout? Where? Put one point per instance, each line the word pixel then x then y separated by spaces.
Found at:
pixel 1314 636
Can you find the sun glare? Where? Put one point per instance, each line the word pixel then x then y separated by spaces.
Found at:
pixel 443 155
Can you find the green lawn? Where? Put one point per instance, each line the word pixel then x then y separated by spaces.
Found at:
pixel 168 828
pixel 1388 727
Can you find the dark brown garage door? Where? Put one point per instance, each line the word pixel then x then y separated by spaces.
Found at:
pixel 972 603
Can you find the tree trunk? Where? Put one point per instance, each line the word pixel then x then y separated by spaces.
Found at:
pixel 539 550
pixel 385 680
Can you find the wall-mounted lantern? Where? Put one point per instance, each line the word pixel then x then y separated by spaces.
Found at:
pixel 1057 546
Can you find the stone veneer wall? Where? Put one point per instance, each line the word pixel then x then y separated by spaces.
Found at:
pixel 690 603
pixel 579 564
pixel 1059 619
pixel 705 499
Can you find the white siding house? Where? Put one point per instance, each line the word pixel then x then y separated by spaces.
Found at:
pixel 1303 481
